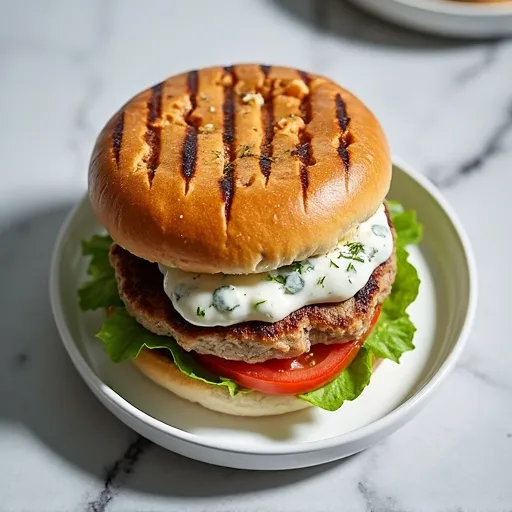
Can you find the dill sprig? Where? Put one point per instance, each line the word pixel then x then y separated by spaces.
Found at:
pixel 353 251
pixel 301 266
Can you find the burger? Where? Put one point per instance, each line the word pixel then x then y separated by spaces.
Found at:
pixel 251 262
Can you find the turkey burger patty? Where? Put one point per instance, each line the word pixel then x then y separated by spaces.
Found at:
pixel 141 289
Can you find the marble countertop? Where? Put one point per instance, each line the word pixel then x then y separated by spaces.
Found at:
pixel 447 108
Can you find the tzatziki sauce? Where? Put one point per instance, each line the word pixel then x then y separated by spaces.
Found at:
pixel 223 299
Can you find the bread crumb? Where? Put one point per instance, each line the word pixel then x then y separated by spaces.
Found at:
pixel 207 128
pixel 253 98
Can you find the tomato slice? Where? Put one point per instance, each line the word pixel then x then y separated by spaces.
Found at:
pixel 287 376
pixel 290 376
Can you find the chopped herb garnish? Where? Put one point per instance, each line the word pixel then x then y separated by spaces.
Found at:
pixel 301 266
pixel 200 311
pixel 228 168
pixel 246 151
pixel 351 268
pixel 320 281
pixel 355 247
pixel 218 154
pixel 277 278
pixel 256 304
pixel 353 252
pixel 332 264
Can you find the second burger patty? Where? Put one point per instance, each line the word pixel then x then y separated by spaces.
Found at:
pixel 140 285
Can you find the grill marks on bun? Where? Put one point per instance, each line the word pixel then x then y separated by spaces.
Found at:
pixel 117 137
pixel 345 138
pixel 153 133
pixel 189 152
pixel 238 169
pixel 267 122
pixel 227 182
pixel 271 87
pixel 303 150
pixel 265 69
pixel 189 156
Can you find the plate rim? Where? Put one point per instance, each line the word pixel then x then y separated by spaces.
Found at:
pixel 452 8
pixel 397 416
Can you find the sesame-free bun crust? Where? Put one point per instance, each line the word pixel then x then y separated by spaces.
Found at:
pixel 238 170
pixel 163 372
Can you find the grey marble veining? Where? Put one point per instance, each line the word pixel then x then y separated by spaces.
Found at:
pixel 447 108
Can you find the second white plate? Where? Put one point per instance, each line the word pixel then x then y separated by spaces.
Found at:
pixel 445 17
pixel 442 314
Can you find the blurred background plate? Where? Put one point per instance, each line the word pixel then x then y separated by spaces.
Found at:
pixel 446 17
pixel 442 314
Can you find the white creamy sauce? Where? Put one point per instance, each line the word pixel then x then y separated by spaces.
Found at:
pixel 223 299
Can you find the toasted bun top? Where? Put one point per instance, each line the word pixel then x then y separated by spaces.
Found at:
pixel 239 169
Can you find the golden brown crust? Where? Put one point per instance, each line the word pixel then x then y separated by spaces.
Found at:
pixel 161 370
pixel 239 169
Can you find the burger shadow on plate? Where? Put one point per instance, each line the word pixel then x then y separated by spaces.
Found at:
pixel 341 19
pixel 41 391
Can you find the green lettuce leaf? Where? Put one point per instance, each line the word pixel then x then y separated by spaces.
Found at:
pixel 124 338
pixel 394 207
pixel 348 385
pixel 393 335
pixel 98 247
pixel 409 230
pixel 394 332
pixel 405 288
pixel 100 291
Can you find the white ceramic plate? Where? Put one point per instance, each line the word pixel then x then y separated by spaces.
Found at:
pixel 445 17
pixel 442 313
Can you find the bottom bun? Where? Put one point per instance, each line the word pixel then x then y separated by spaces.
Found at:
pixel 163 372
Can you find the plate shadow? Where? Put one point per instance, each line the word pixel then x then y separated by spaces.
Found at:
pixel 41 391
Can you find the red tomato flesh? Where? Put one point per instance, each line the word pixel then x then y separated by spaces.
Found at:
pixel 290 376
pixel 287 376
